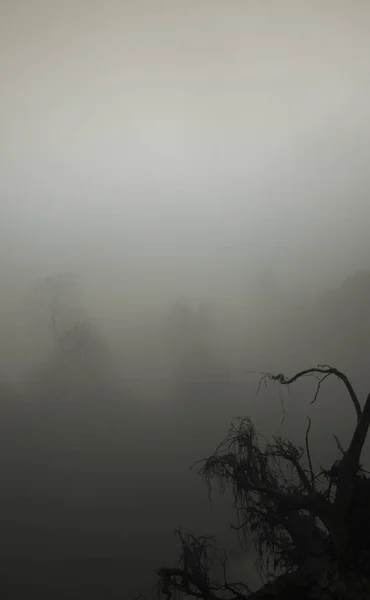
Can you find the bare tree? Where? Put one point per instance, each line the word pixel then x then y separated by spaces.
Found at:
pixel 311 529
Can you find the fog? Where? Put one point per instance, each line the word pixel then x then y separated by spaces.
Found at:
pixel 192 177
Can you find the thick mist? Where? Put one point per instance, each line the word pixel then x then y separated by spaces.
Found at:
pixel 184 199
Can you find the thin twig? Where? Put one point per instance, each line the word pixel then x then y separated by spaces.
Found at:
pixel 309 454
pixel 339 445
pixel 319 386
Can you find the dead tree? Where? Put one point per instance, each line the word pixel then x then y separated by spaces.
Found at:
pixel 311 530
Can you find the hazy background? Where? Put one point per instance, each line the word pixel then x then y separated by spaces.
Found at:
pixel 202 169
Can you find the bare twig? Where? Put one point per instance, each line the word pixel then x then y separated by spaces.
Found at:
pixel 309 455
pixel 319 386
pixel 339 445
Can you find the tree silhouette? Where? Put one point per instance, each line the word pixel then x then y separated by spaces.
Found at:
pixel 55 302
pixel 311 529
pixel 79 361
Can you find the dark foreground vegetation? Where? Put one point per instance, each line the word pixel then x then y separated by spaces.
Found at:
pixel 311 528
pixel 98 430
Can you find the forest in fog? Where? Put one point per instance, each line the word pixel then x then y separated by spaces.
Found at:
pixel 184 204
pixel 99 427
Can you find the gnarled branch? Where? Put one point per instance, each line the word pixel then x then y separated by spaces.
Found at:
pixel 281 509
pixel 325 370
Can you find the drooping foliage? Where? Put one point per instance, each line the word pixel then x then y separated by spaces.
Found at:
pixel 311 529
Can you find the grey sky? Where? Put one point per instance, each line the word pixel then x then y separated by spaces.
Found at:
pixel 184 139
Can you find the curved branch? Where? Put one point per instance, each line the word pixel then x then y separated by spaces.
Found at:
pixel 325 370
pixel 350 463
pixel 360 433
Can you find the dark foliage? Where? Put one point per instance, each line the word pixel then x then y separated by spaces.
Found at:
pixel 311 529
